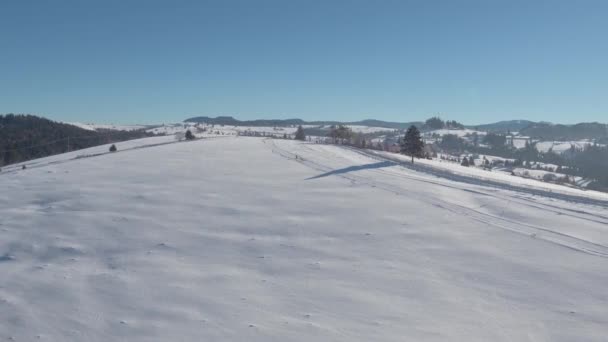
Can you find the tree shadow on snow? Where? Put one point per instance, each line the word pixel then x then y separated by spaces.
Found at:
pixel 355 168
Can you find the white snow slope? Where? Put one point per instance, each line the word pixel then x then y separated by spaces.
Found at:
pixel 234 239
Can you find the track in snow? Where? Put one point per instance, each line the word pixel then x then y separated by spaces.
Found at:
pixel 533 231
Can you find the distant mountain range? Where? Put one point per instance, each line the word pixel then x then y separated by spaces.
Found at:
pixel 540 130
pixel 501 126
pixel 230 121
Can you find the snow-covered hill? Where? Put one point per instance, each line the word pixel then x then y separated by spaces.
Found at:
pixel 458 132
pixel 268 130
pixel 94 127
pixel 236 238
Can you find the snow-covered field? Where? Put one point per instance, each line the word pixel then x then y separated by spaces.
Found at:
pixel 269 130
pixel 519 142
pixel 561 146
pixel 221 129
pixel 94 127
pixel 458 132
pixel 250 239
pixel 368 129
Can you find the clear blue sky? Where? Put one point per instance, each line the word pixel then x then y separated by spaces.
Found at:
pixel 128 61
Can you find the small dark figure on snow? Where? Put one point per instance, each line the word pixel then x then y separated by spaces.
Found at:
pixel 113 148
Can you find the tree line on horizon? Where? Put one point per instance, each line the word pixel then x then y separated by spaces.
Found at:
pixel 26 137
pixel 590 162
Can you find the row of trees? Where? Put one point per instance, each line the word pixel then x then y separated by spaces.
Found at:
pixel 340 133
pixel 299 134
pixel 592 162
pixel 437 123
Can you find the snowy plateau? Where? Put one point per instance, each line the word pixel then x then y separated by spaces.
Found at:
pixel 234 238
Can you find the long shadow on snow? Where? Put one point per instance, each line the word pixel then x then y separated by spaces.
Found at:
pixel 355 168
pixel 483 182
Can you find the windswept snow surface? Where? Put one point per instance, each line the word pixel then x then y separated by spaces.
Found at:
pixel 249 239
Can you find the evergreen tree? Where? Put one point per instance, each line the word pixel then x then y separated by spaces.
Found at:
pixel 340 133
pixel 518 162
pixel 465 162
pixel 412 143
pixel 113 148
pixel 475 139
pixel 453 124
pixel 495 140
pixel 189 135
pixel 434 123
pixel 452 142
pixel 300 133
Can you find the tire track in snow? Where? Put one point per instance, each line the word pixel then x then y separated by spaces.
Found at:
pixel 597 218
pixel 537 232
pixel 574 213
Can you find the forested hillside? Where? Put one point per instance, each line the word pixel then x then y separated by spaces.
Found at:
pixel 25 137
pixel 585 130
pixel 504 126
